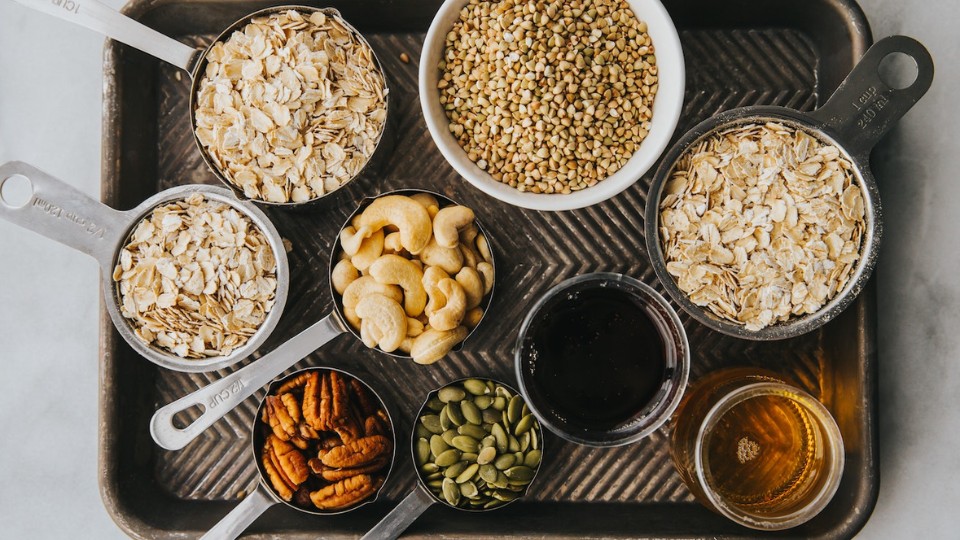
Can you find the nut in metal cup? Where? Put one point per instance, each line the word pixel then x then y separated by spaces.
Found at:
pixel 666 397
pixel 757 450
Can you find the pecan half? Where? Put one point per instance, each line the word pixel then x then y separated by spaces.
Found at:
pixel 364 400
pixel 345 492
pixel 357 453
pixel 311 401
pixel 335 475
pixel 280 484
pixel 289 460
pixel 297 382
pixel 281 418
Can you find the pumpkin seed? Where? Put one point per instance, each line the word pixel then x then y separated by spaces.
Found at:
pixel 520 473
pixel 448 458
pixel 491 386
pixel 492 504
pixel 504 461
pixel 451 492
pixel 435 484
pixel 475 387
pixel 525 441
pixel 432 423
pixel 503 392
pixel 437 446
pixel 532 458
pixel 505 496
pixel 500 436
pixel 534 439
pixel 469 456
pixel 454 470
pixel 491 416
pixel 514 444
pixel 514 409
pixel 499 403
pixel 469 489
pixel 433 476
pixel 483 402
pixel 434 404
pixel 448 436
pixel 422 432
pixel 524 425
pixel 445 422
pixel 465 443
pixel 519 456
pixel 429 468
pixel 488 473
pixel 525 411
pixel 451 393
pixel 488 441
pixel 486 455
pixel 423 450
pixel 471 430
pixel 471 412
pixel 468 473
pixel 502 480
pixel 453 412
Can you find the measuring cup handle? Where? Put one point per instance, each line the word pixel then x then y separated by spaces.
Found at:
pixel 864 108
pixel 401 517
pixel 103 19
pixel 220 397
pixel 65 214
pixel 245 513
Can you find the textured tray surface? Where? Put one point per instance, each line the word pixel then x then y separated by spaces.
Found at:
pixel 634 486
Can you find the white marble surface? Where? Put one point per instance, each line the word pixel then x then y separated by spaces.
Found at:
pixel 50 93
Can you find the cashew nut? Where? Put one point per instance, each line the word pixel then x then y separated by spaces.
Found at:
pixel 386 317
pixel 448 222
pixel 395 270
pixel 425 199
pixel 450 259
pixel 343 274
pixel 432 276
pixel 472 318
pixel 483 248
pixel 470 257
pixel 370 335
pixel 350 240
pixel 468 233
pixel 363 286
pixel 451 313
pixel 486 270
pixel 370 249
pixel 406 345
pixel 408 215
pixel 414 327
pixel 433 344
pixel 391 243
pixel 472 284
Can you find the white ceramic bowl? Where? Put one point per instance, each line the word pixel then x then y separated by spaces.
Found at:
pixel 666 113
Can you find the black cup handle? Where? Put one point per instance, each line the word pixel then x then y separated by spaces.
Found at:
pixel 864 108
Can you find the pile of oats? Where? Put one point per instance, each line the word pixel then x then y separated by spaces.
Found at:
pixel 196 278
pixel 549 96
pixel 761 223
pixel 290 108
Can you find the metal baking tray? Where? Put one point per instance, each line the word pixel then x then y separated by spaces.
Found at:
pixel 738 52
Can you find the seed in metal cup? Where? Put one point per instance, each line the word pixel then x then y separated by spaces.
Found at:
pixel 603 359
pixel 476 447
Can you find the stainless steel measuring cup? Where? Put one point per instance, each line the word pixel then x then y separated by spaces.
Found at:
pixel 220 397
pixel 103 19
pixel 421 498
pixel 265 496
pixel 62 213
pixel 854 120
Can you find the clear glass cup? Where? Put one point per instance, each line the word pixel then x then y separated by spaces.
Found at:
pixel 756 449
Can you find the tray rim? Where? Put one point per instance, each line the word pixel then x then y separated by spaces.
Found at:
pixel 133 526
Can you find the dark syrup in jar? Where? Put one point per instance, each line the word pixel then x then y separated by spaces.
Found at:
pixel 599 357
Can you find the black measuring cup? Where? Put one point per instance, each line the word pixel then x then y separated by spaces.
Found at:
pixel 113 24
pixel 220 397
pixel 265 496
pixel 422 498
pixel 854 119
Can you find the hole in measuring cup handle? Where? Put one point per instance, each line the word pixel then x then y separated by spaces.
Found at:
pixel 898 70
pixel 16 191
